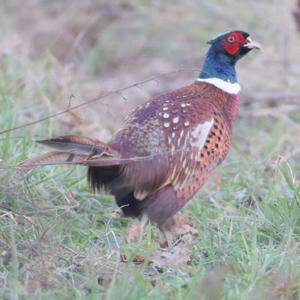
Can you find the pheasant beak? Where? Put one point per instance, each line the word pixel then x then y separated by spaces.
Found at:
pixel 252 44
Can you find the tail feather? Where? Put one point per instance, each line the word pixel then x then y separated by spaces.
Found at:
pixel 50 158
pixel 74 150
pixel 78 145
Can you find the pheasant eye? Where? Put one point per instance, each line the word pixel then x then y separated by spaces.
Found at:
pixel 231 39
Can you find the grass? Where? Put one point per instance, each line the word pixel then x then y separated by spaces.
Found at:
pixel 59 241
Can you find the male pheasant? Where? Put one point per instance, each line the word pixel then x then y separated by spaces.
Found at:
pixel 168 146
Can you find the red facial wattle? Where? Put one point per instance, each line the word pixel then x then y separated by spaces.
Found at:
pixel 233 42
pixel 232 49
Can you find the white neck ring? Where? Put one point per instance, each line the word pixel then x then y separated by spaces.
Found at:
pixel 226 86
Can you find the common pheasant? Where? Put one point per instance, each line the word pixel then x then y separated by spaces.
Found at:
pixel 168 146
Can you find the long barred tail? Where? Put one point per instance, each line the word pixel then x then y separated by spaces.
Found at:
pixel 79 145
pixel 74 150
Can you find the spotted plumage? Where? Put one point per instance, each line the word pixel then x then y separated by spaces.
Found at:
pixel 168 146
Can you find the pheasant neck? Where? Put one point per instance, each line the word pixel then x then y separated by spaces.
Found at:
pixel 219 71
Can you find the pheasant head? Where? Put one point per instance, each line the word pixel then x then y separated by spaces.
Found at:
pixel 219 65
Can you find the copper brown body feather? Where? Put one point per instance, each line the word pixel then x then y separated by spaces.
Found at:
pixel 163 153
